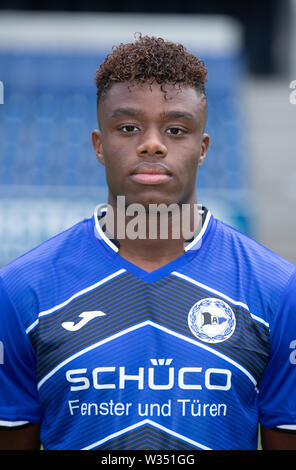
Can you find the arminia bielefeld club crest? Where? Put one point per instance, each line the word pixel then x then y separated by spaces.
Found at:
pixel 211 320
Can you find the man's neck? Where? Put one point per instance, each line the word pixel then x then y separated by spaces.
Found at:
pixel 150 255
pixel 151 240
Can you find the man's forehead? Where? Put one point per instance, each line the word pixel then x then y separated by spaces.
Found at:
pixel 129 96
pixel 166 93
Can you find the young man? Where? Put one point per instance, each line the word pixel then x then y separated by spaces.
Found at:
pixel 117 341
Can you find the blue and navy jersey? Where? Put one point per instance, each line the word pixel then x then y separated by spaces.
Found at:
pixel 107 356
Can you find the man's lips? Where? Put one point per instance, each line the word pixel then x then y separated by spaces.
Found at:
pixel 146 173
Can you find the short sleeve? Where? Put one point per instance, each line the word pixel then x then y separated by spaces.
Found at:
pixel 19 402
pixel 277 388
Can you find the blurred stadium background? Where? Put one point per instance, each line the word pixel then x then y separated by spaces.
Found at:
pixel 49 176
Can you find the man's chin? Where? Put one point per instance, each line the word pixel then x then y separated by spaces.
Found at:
pixel 151 203
pixel 151 198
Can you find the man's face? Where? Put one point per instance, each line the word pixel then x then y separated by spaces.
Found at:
pixel 151 146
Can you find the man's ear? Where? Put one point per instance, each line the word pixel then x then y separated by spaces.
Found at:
pixel 204 148
pixel 96 137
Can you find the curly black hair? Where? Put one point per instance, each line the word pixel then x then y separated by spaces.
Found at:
pixel 149 60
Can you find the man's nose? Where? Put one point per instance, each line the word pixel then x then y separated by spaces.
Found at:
pixel 152 146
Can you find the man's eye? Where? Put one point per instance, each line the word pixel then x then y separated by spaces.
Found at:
pixel 128 128
pixel 175 131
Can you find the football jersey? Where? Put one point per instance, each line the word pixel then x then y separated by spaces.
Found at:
pixel 108 356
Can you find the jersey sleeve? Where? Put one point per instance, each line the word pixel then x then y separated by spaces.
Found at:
pixel 277 388
pixel 19 403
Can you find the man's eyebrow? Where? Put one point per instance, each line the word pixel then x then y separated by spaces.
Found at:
pixel 177 115
pixel 174 114
pixel 125 111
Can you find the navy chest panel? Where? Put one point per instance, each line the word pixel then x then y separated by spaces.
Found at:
pixel 125 302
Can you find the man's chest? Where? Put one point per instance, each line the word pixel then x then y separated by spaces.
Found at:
pixel 160 318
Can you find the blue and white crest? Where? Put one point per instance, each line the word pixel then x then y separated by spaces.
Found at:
pixel 211 320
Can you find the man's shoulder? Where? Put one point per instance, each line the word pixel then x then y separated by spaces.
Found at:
pixel 248 249
pixel 263 273
pixel 241 264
